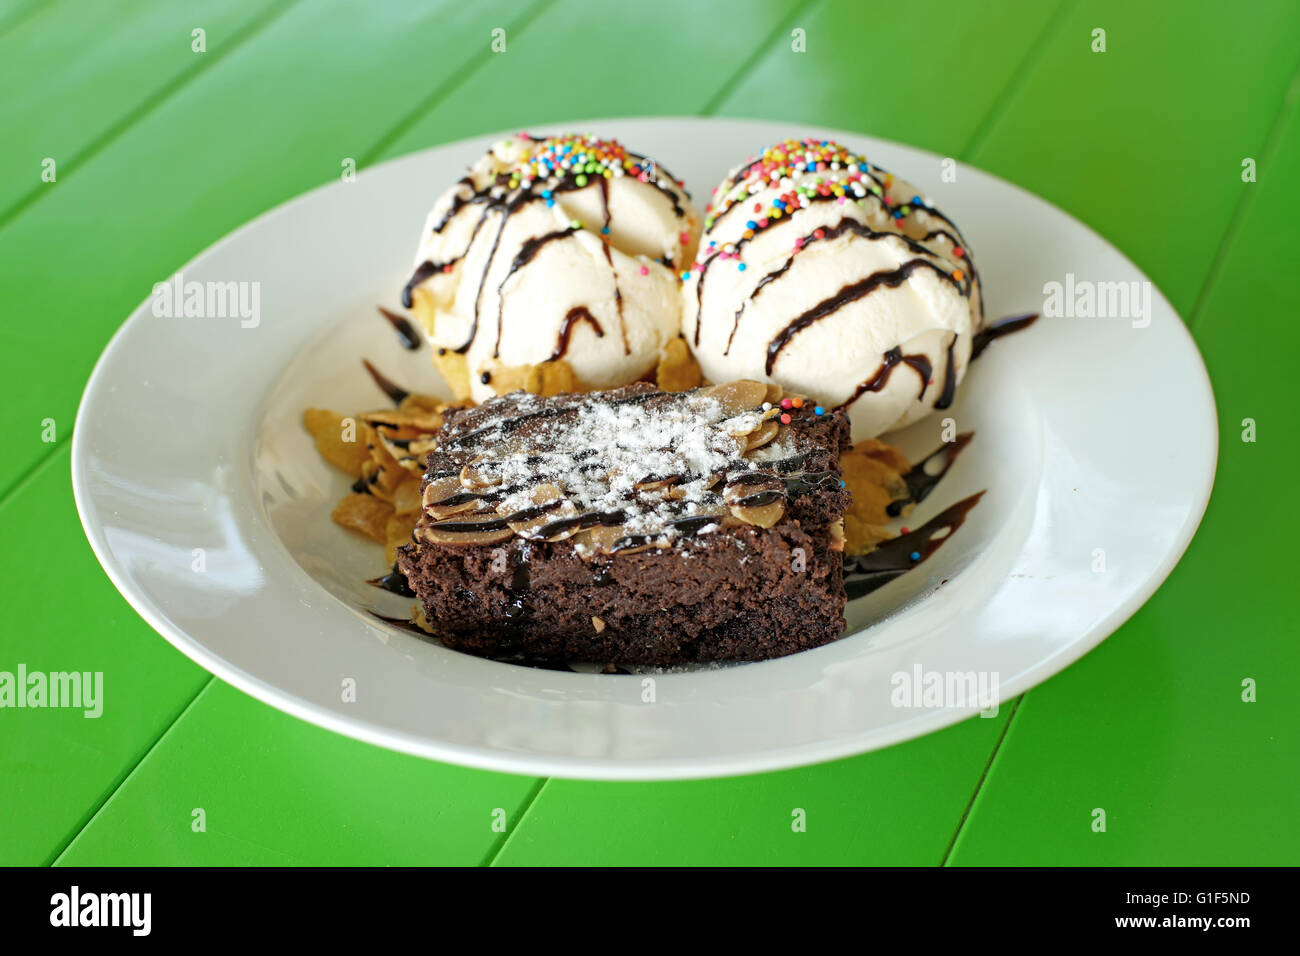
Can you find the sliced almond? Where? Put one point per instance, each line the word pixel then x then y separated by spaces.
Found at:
pixel 567 532
pixel 462 532
pixel 440 489
pixel 474 476
pixel 761 436
pixel 657 484
pixel 762 516
pixel 737 491
pixel 542 495
pixel 638 548
pixel 603 537
pixel 740 396
pixel 774 393
pixel 738 426
pixel 464 508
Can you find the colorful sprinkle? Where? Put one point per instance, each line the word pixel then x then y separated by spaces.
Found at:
pixel 818 410
pixel 645 270
pixel 916 555
pixel 787 403
pixel 785 419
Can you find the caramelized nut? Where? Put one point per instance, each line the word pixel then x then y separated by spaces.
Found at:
pixel 465 532
pixel 751 484
pixel 739 396
pixel 542 496
pixel 762 516
pixel 761 436
pixel 472 476
pixel 440 489
pixel 603 537
pixel 739 426
pixel 657 484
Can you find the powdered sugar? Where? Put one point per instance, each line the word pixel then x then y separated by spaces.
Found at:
pixel 654 462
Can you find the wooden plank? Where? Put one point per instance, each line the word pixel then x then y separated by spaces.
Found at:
pixel 1153 727
pixel 114 60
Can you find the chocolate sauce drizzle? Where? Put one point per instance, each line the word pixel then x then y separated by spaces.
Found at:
pixel 527 252
pixel 920 480
pixel 393 582
pixel 880 379
pixel 949 379
pixel 827 233
pixel 459 201
pixel 990 334
pixel 578 313
pixel 678 211
pixel 865 573
pixel 395 392
pixel 516 608
pixel 422 273
pixel 406 333
pixel 921 363
pixel 736 247
pixel 850 293
pixel 609 260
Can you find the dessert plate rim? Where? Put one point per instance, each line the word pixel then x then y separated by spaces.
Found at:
pixel 125 575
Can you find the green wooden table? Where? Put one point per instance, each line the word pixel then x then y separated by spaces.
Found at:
pixel 156 149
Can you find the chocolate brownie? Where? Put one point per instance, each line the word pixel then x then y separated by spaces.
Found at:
pixel 634 526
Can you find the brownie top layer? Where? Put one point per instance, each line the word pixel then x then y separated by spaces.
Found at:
pixel 632 468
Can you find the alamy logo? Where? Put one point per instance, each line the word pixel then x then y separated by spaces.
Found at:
pixel 1084 299
pixel 72 689
pixel 75 908
pixel 965 689
pixel 178 299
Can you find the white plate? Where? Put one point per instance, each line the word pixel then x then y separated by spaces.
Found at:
pixel 1096 441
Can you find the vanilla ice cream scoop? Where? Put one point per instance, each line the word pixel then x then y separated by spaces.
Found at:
pixel 567 247
pixel 823 273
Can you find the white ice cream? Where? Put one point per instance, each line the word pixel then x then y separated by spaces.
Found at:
pixel 567 247
pixel 805 277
